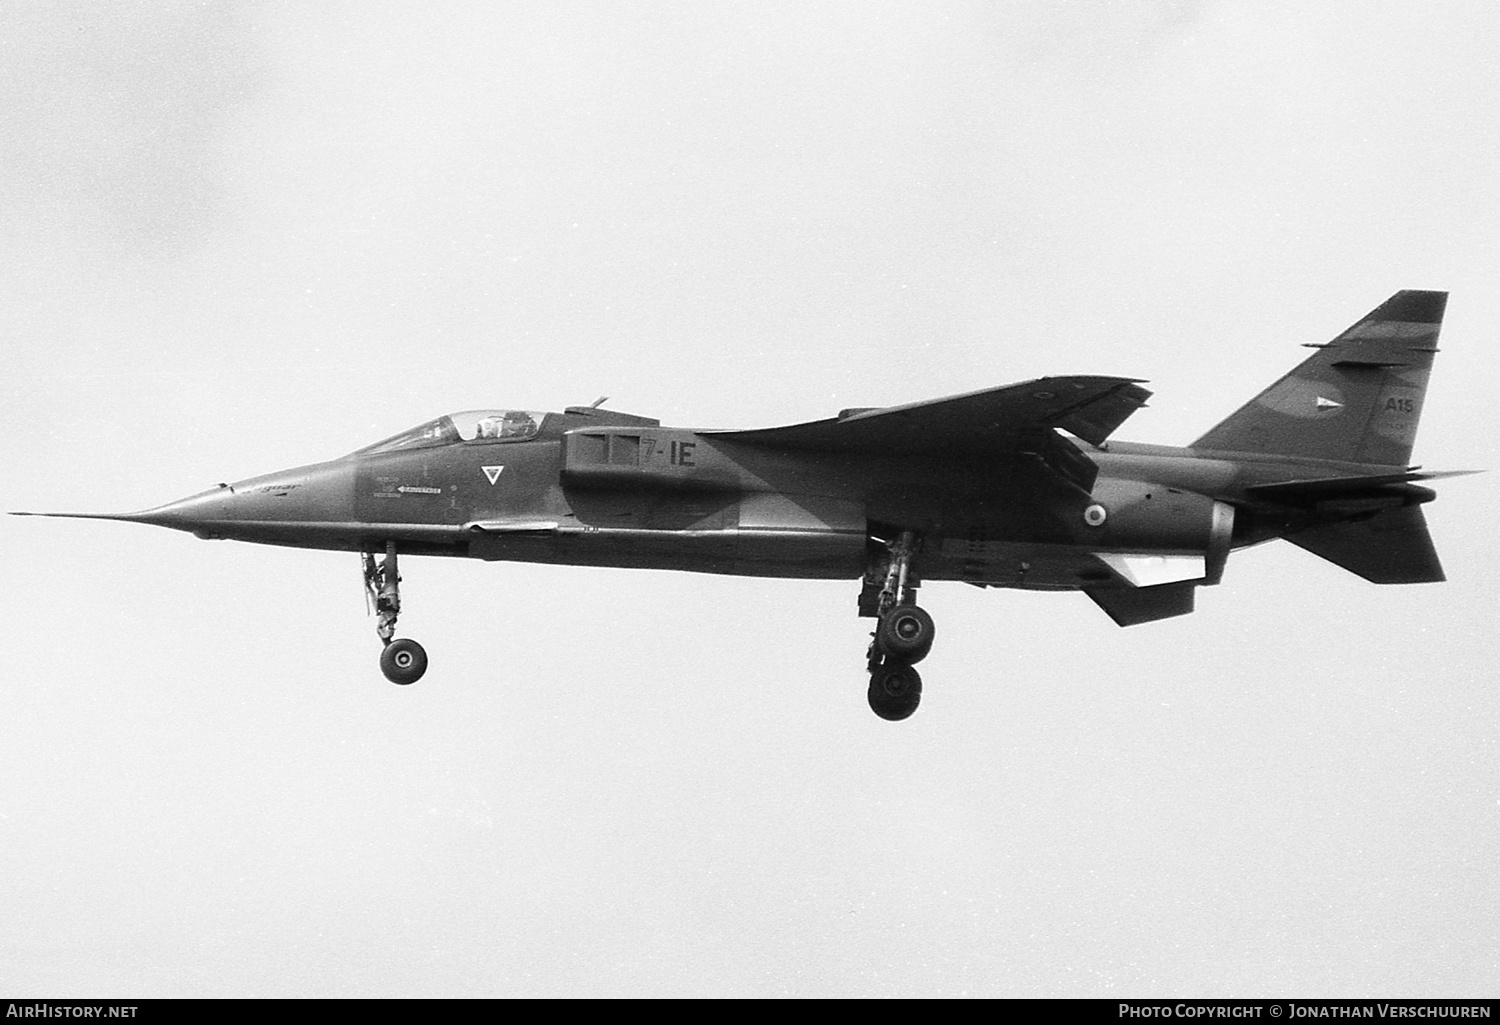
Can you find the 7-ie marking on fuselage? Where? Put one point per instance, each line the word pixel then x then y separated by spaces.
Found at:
pixel 679 453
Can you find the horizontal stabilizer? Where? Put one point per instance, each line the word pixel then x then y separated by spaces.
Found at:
pixel 1129 606
pixel 1320 488
pixel 1392 547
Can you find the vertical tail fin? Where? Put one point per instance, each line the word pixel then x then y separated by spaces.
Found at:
pixel 1357 399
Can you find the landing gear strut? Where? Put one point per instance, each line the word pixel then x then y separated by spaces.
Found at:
pixel 903 631
pixel 402 660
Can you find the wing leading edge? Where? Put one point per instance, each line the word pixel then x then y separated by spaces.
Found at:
pixel 991 422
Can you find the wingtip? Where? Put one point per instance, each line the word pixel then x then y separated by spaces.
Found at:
pixel 1413 306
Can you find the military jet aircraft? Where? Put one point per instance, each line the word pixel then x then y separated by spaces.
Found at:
pixel 1008 487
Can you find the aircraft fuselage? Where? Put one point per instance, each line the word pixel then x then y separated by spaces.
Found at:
pixel 1017 486
pixel 584 492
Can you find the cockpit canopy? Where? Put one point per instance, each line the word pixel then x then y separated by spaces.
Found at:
pixel 472 425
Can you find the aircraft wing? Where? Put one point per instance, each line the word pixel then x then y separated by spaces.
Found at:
pixel 996 421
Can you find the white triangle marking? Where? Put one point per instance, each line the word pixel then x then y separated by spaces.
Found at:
pixel 492 472
pixel 1328 403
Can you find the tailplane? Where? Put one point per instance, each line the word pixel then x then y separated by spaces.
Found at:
pixel 1356 399
pixel 1391 547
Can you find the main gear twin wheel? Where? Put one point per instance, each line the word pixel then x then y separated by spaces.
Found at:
pixel 905 633
pixel 895 691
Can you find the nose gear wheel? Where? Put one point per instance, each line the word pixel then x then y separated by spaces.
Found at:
pixel 403 660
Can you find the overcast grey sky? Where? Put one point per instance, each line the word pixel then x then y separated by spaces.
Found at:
pixel 241 237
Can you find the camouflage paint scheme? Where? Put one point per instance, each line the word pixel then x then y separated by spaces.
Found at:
pixel 1009 487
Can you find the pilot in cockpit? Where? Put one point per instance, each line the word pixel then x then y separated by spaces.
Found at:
pixel 517 425
pixel 513 424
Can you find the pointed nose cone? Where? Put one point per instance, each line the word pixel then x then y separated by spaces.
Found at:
pixel 279 508
pixel 193 513
pixel 196 513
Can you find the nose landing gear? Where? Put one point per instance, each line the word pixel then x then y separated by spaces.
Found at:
pixel 903 631
pixel 402 660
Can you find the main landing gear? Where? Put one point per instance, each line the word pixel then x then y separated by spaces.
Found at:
pixel 402 660
pixel 903 631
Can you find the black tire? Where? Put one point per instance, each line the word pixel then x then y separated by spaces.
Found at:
pixel 895 691
pixel 403 661
pixel 905 633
